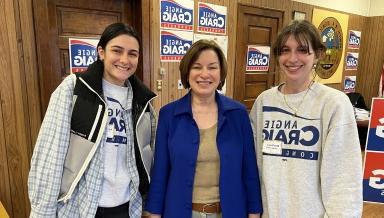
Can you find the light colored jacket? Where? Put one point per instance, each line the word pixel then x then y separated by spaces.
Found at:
pixel 66 173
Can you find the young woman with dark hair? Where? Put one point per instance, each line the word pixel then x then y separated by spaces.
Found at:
pixel 94 150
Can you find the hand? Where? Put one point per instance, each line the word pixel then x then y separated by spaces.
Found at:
pixel 253 215
pixel 145 214
pixel 154 216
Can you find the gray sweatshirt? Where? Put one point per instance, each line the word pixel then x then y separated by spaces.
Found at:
pixel 310 164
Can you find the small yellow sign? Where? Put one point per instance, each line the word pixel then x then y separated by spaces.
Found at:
pixel 3 213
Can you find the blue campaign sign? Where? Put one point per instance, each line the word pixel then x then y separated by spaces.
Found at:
pixel 212 18
pixel 354 39
pixel 375 140
pixel 174 44
pixel 82 53
pixel 258 58
pixel 349 84
pixel 351 61
pixel 373 178
pixel 176 14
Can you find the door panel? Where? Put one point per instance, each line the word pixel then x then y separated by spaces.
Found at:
pixel 256 26
pixel 75 22
pixel 263 34
pixel 58 20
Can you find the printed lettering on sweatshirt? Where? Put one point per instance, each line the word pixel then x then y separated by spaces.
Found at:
pixel 298 134
pixel 116 132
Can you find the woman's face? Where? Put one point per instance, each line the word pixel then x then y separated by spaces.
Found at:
pixel 295 61
pixel 120 56
pixel 204 75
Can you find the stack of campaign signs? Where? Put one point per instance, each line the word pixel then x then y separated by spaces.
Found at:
pixel 373 179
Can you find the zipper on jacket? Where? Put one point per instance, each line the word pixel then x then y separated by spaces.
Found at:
pixel 96 121
pixel 138 143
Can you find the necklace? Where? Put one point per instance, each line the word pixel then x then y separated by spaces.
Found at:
pixel 296 109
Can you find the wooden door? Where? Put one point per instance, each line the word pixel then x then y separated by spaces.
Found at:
pixel 255 26
pixel 58 20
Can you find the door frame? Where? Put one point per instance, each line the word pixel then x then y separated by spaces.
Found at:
pixel 250 9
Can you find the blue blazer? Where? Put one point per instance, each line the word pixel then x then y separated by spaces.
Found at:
pixel 177 144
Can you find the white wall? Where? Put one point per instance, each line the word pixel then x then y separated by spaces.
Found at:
pixel 360 7
pixel 377 8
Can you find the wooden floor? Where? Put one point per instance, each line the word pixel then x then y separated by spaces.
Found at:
pixel 373 210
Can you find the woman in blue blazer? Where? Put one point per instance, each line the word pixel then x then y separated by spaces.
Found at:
pixel 204 155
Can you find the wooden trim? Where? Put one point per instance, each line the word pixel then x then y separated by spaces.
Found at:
pixel 30 71
pixel 5 190
pixel 146 41
pixel 42 29
pixel 14 107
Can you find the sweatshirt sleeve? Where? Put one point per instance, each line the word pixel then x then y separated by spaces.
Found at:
pixel 47 162
pixel 250 170
pixel 341 165
pixel 255 116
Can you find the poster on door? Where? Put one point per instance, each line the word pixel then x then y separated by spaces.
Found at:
pixel 82 53
pixel 354 38
pixel 176 14
pixel 373 177
pixel 212 19
pixel 174 44
pixel 351 61
pixel 258 58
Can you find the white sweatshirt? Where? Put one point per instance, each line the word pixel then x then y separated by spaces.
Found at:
pixel 310 164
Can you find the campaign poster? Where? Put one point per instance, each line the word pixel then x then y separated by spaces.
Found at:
pixel 82 53
pixel 222 41
pixel 258 58
pixel 375 140
pixel 349 84
pixel 354 38
pixel 351 61
pixel 174 44
pixel 373 177
pixel 176 14
pixel 212 19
